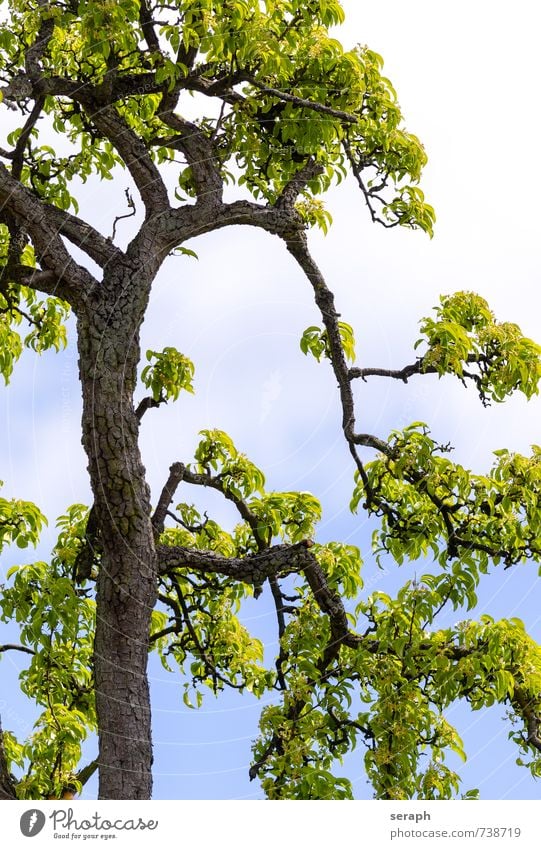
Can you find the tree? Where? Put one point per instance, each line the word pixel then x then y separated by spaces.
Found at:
pixel 285 111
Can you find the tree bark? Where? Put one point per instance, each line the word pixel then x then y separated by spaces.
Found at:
pixel 108 341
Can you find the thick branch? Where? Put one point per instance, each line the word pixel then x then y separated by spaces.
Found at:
pixel 42 281
pixel 98 104
pixel 38 219
pixel 198 150
pixel 84 236
pixel 87 772
pixel 221 486
pixel 176 474
pixel 397 374
pixel 16 647
pixel 348 117
pixel 35 52
pixel 298 183
pixel 132 150
pixel 147 25
pixel 298 247
pixel 278 560
pixel 177 226
pixel 146 403
pixel 524 706
pixel 79 232
pixel 369 441
pixel 253 569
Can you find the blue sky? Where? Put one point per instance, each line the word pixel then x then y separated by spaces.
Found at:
pixel 466 77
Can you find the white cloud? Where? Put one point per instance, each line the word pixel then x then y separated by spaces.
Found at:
pixel 466 75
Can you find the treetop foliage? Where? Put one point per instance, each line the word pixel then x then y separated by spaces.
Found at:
pixel 288 91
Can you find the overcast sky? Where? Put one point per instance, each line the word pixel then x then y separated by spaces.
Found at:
pixel 467 79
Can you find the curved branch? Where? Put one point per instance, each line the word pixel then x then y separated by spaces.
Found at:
pixel 368 194
pixel 18 152
pixel 219 484
pixel 176 226
pixel 253 569
pixel 419 367
pixel 147 25
pixel 7 782
pixel 98 103
pixel 33 278
pixel 397 374
pixel 298 183
pixel 369 441
pixel 348 117
pixel 524 706
pixel 132 150
pixel 297 245
pixel 176 474
pixel 85 237
pixel 87 771
pixel 198 150
pixel 38 219
pixel 16 647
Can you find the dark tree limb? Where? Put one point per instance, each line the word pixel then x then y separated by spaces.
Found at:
pixel 22 141
pixel 524 705
pixel 176 475
pixel 199 151
pixel 178 225
pixel 297 245
pixel 147 403
pixel 403 374
pixel 397 374
pixel 132 150
pixel 73 281
pixel 147 26
pixel 36 51
pixel 253 569
pixel 87 772
pixel 309 171
pixel 98 104
pixel 279 607
pixel 314 106
pixel 369 441
pixel 41 281
pixel 85 237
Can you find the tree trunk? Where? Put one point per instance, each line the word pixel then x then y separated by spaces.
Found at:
pixel 108 340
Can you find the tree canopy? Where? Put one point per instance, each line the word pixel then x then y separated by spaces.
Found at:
pixel 283 111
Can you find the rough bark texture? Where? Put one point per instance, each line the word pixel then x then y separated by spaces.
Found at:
pixel 108 338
